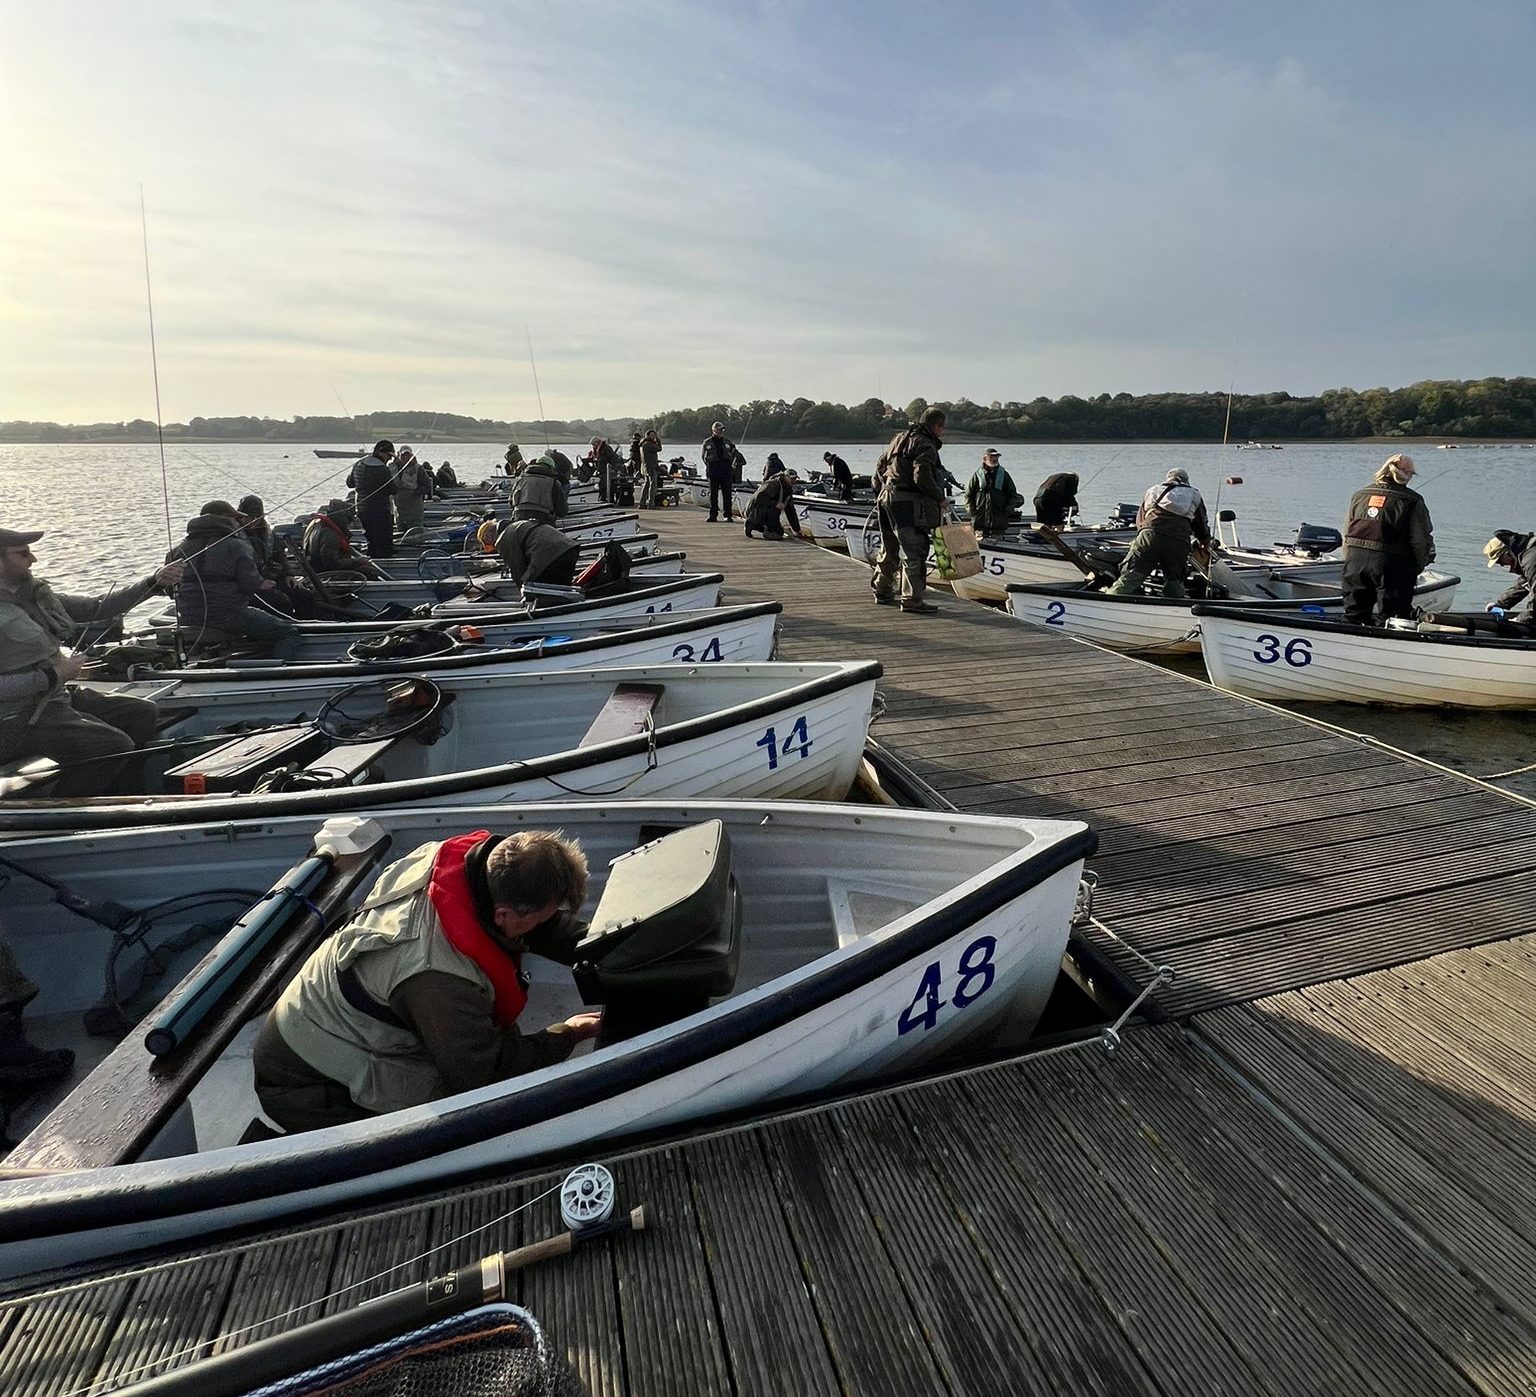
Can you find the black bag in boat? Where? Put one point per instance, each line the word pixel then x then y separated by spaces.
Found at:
pixel 406 643
pixel 611 566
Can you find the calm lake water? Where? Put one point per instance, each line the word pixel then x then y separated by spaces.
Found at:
pixel 105 514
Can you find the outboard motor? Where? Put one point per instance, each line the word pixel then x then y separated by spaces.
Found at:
pixel 1124 516
pixel 1313 540
pixel 666 935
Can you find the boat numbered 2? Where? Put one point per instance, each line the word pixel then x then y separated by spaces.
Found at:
pixel 972 978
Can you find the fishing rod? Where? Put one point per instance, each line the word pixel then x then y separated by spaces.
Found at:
pixel 587 1197
pixel 154 361
pixel 537 391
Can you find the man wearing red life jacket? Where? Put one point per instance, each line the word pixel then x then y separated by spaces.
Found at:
pixel 418 996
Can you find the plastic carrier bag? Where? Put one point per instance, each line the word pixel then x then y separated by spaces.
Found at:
pixel 955 551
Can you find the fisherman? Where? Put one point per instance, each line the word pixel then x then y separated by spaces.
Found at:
pixel 773 497
pixel 1388 541
pixel 1056 499
pixel 991 497
pixel 222 580
pixel 606 463
pixel 447 477
pixel 374 483
pixel 272 562
pixel 650 458
pixel 514 462
pixel 540 492
pixel 328 543
pixel 910 506
pixel 1171 516
pixel 634 453
pixel 1517 552
pixel 40 714
pixel 536 552
pixel 418 996
pixel 413 485
pixel 720 457
pixel 842 477
pixel 775 466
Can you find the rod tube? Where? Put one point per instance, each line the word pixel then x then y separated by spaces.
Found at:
pixel 245 941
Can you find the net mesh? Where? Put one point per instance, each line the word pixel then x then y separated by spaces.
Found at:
pixel 495 1351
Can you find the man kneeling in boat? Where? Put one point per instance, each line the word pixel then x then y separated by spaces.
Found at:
pixel 328 543
pixel 536 552
pixel 418 996
pixel 1171 517
pixel 1517 552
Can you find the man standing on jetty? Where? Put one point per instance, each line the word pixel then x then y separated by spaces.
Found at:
pixel 910 507
pixel 374 482
pixel 720 458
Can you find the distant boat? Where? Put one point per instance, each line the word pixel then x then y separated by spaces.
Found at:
pixel 341 455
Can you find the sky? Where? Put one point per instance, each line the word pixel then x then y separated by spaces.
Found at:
pixel 363 206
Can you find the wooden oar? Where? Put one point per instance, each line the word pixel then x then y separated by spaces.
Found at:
pixel 1092 573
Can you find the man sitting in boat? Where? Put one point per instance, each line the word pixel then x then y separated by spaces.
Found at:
pixel 991 496
pixel 535 552
pixel 328 543
pixel 1388 541
pixel 514 462
pixel 1056 499
pixel 1517 552
pixel 419 995
pixel 222 582
pixel 446 476
pixel 1171 517
pixel 40 715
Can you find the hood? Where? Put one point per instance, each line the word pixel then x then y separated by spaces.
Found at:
pixel 205 528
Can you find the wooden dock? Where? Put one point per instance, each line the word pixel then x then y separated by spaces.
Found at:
pixel 1311 1175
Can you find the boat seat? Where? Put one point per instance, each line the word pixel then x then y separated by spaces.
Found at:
pixel 665 936
pixel 630 708
pixel 132 1104
pixel 349 761
pixel 236 765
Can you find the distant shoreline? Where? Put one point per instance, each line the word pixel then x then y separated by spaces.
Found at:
pixel 953 438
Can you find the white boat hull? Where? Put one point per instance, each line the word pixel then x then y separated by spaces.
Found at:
pixel 1141 625
pixel 1286 661
pixel 767 731
pixel 413 592
pixel 964 925
pixel 833 523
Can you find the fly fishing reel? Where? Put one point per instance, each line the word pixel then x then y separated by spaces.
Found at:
pixel 587 1197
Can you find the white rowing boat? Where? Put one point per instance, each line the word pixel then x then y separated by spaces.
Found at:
pixel 1290 658
pixel 868 941
pixel 1166 625
pixel 793 731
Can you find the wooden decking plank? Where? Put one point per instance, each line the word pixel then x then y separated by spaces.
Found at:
pixel 666 1306
pixel 971 1324
pixel 271 1280
pixel 768 1318
pixel 1311 1316
pixel 1163 1316
pixel 1455 1314
pixel 56 1344
pixel 1304 1074
pixel 376 1256
pixel 1075 1337
pixel 875 1338
pixel 170 1321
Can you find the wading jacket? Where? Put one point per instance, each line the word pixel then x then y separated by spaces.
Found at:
pixel 221 575
pixel 1392 520
pixel 529 548
pixel 991 498
pixel 1175 511
pixel 36 621
pixel 1523 546
pixel 719 455
pixel 909 470
pixel 394 955
pixel 540 494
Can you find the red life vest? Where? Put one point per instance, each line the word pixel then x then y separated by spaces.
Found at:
pixel 455 907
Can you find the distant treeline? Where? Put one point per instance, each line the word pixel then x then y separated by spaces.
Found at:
pixel 406 427
pixel 1487 407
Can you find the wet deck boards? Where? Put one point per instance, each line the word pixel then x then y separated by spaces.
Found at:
pixel 1317 1181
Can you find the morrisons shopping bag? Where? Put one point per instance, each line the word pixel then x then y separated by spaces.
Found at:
pixel 955 551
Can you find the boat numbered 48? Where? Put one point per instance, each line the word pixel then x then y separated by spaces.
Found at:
pixel 1292 658
pixel 823 944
